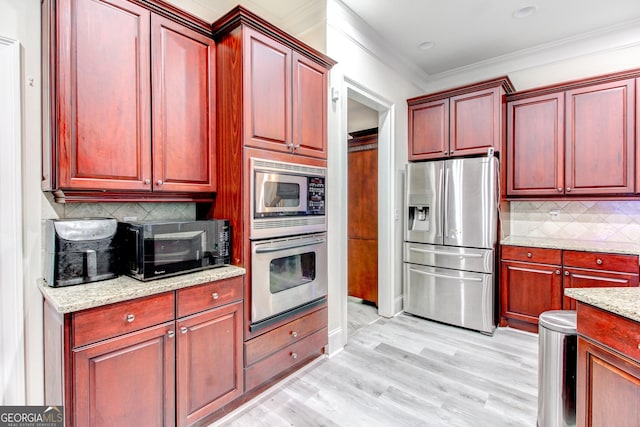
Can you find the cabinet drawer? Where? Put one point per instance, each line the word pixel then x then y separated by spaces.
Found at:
pixel 284 335
pixel 284 359
pixel 199 298
pixel 99 323
pixel 539 255
pixel 601 261
pixel 616 332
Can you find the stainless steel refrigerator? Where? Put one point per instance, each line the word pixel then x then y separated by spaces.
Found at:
pixel 450 236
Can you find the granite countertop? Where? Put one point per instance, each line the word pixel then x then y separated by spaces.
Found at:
pixel 578 245
pixel 622 301
pixel 80 297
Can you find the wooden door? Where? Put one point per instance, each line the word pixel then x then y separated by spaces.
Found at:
pixel 209 362
pixel 475 122
pixel 535 146
pixel 583 278
pixel 184 131
pixel 608 387
pixel 309 107
pixel 429 130
pixel 104 95
pixel 600 139
pixel 527 290
pixel 126 381
pixel 362 262
pixel 267 92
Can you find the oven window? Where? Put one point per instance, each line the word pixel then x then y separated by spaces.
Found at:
pixel 281 194
pixel 291 271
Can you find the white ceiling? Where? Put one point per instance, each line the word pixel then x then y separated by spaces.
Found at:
pixel 464 32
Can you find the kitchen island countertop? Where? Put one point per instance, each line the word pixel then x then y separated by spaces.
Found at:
pixel 123 288
pixel 622 301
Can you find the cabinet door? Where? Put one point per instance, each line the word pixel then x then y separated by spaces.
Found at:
pixel 583 278
pixel 104 97
pixel 535 146
pixel 126 381
pixel 309 107
pixel 267 94
pixel 209 362
pixel 476 122
pixel 528 289
pixel 600 138
pixel 429 130
pixel 183 108
pixel 608 388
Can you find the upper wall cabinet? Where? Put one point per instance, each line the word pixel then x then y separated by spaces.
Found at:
pixel 576 139
pixel 130 103
pixel 284 97
pixel 458 122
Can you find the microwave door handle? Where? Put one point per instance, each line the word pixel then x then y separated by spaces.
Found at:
pixel 137 246
pixel 267 249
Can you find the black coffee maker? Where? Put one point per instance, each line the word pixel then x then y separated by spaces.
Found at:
pixel 80 251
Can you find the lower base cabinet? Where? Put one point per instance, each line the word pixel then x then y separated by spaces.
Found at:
pixel 135 364
pixel 608 369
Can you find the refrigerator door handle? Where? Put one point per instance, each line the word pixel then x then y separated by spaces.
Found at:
pixel 430 251
pixel 444 276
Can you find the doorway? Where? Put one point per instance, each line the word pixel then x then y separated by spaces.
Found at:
pixel 362 216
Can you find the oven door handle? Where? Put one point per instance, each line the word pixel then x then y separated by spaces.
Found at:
pixel 267 249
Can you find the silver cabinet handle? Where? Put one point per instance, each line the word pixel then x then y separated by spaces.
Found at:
pixel 559 189
pixel 297 146
pixel 557 271
pixel 599 261
pixel 290 147
pixel 529 255
pixel 445 153
pixel 215 295
pixel 566 273
pixel 183 330
pixel 568 189
pixel 130 318
pixel 294 355
pixel 171 334
pixel 159 182
pixel 294 334
pixel 147 181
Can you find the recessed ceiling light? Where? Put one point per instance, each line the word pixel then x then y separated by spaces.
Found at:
pixel 426 45
pixel 524 12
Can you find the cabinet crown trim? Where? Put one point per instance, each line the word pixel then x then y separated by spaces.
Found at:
pixel 239 15
pixel 503 82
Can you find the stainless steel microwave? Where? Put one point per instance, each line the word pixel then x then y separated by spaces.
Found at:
pixel 286 199
pixel 155 249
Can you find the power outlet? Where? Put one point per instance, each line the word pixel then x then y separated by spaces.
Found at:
pixel 130 218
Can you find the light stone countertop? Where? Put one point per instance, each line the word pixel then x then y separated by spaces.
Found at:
pixel 577 245
pixel 622 301
pixel 69 299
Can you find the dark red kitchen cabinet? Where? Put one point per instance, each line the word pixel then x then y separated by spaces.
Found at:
pixel 183 64
pixel 600 139
pixel 535 145
pixel 127 380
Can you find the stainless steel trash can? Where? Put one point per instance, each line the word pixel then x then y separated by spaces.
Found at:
pixel 557 360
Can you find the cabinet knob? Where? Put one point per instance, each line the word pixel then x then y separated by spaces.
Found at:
pixel 130 318
pixel 294 334
pixel 159 182
pixel 529 255
pixel 559 189
pixel 568 189
pixel 294 355
pixel 599 261
pixel 290 147
pixel 215 295
pixel 183 330
pixel 297 146
pixel 445 153
pixel 557 271
pixel 566 273
pixel 147 181
pixel 171 334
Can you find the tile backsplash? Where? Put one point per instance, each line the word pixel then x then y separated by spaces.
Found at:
pixel 611 221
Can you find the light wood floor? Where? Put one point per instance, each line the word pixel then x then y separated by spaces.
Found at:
pixel 408 371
